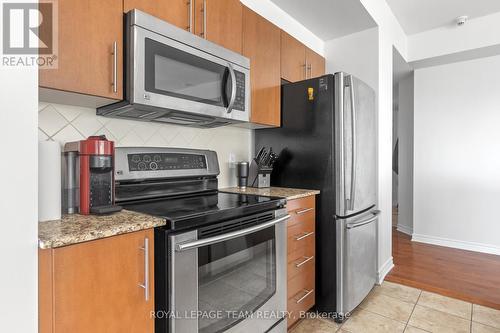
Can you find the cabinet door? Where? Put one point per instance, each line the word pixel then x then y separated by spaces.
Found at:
pixel 261 43
pixel 293 58
pixel 176 12
pixel 88 31
pixel 220 21
pixel 315 64
pixel 97 285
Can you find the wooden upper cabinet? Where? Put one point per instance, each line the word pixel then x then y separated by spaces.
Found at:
pixel 88 31
pixel 95 286
pixel 298 62
pixel 261 43
pixel 315 64
pixel 220 22
pixel 176 12
pixel 293 58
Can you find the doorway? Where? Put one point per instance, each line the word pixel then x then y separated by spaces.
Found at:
pixel 402 146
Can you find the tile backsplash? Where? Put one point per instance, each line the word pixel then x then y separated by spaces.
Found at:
pixel 64 123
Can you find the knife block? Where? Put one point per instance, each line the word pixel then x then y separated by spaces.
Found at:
pixel 259 176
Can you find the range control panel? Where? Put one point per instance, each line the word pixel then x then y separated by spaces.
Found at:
pixel 165 161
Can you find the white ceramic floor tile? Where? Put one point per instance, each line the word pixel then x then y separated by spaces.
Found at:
pixel 487 316
pixel 407 294
pixel 437 321
pixel 388 306
pixel 446 304
pixel 363 321
pixel 480 328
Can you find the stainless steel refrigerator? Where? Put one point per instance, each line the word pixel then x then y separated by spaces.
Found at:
pixel 327 141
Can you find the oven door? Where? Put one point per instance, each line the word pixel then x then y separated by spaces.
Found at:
pixel 172 75
pixel 229 282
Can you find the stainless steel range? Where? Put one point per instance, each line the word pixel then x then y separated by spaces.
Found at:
pixel 220 262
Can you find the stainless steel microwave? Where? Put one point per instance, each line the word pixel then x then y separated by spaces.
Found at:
pixel 173 76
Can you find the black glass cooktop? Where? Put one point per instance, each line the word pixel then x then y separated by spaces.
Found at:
pixel 197 210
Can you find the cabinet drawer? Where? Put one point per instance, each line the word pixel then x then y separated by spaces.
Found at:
pixel 300 302
pixel 297 205
pixel 304 280
pixel 301 234
pixel 303 261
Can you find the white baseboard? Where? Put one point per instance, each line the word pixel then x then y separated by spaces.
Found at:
pixel 384 270
pixel 457 244
pixel 404 229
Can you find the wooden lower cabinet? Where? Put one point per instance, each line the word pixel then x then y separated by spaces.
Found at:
pixel 95 286
pixel 301 243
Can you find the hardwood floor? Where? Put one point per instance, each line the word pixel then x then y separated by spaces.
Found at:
pixel 470 276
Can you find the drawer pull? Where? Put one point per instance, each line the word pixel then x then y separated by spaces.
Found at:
pixel 303 211
pixel 307 293
pixel 305 235
pixel 306 259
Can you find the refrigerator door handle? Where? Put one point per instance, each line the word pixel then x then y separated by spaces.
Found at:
pixel 375 213
pixel 354 160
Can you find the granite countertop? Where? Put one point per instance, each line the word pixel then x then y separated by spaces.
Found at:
pixel 282 192
pixel 76 228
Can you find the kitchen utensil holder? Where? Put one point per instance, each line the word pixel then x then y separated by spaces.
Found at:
pixel 259 176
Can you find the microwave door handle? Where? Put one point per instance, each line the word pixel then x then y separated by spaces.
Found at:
pixel 233 88
pixel 230 235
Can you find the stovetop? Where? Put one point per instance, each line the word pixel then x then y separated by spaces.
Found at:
pixel 198 210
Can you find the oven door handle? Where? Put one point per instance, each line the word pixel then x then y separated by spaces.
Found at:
pixel 230 235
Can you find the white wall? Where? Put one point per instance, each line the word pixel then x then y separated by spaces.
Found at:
pixel 18 199
pixel 64 123
pixel 355 54
pixel 457 155
pixel 405 134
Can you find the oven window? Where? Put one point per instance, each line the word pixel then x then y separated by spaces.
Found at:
pixel 235 278
pixel 172 72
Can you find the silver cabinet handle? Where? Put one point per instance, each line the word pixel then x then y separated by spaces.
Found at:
pixel 305 235
pixel 114 81
pixel 307 293
pixel 306 260
pixel 375 213
pixel 305 70
pixel 230 235
pixel 190 4
pixel 309 68
pixel 233 88
pixel 145 248
pixel 303 211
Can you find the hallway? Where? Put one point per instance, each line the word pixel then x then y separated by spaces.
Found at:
pixel 466 275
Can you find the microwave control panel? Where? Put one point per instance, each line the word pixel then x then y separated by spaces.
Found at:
pixel 239 103
pixel 165 161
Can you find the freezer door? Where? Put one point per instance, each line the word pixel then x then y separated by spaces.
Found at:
pixel 357 258
pixel 355 146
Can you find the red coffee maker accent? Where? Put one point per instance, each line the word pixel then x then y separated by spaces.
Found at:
pixel 92 169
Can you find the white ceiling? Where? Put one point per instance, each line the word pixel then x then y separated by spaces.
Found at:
pixel 329 19
pixel 421 15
